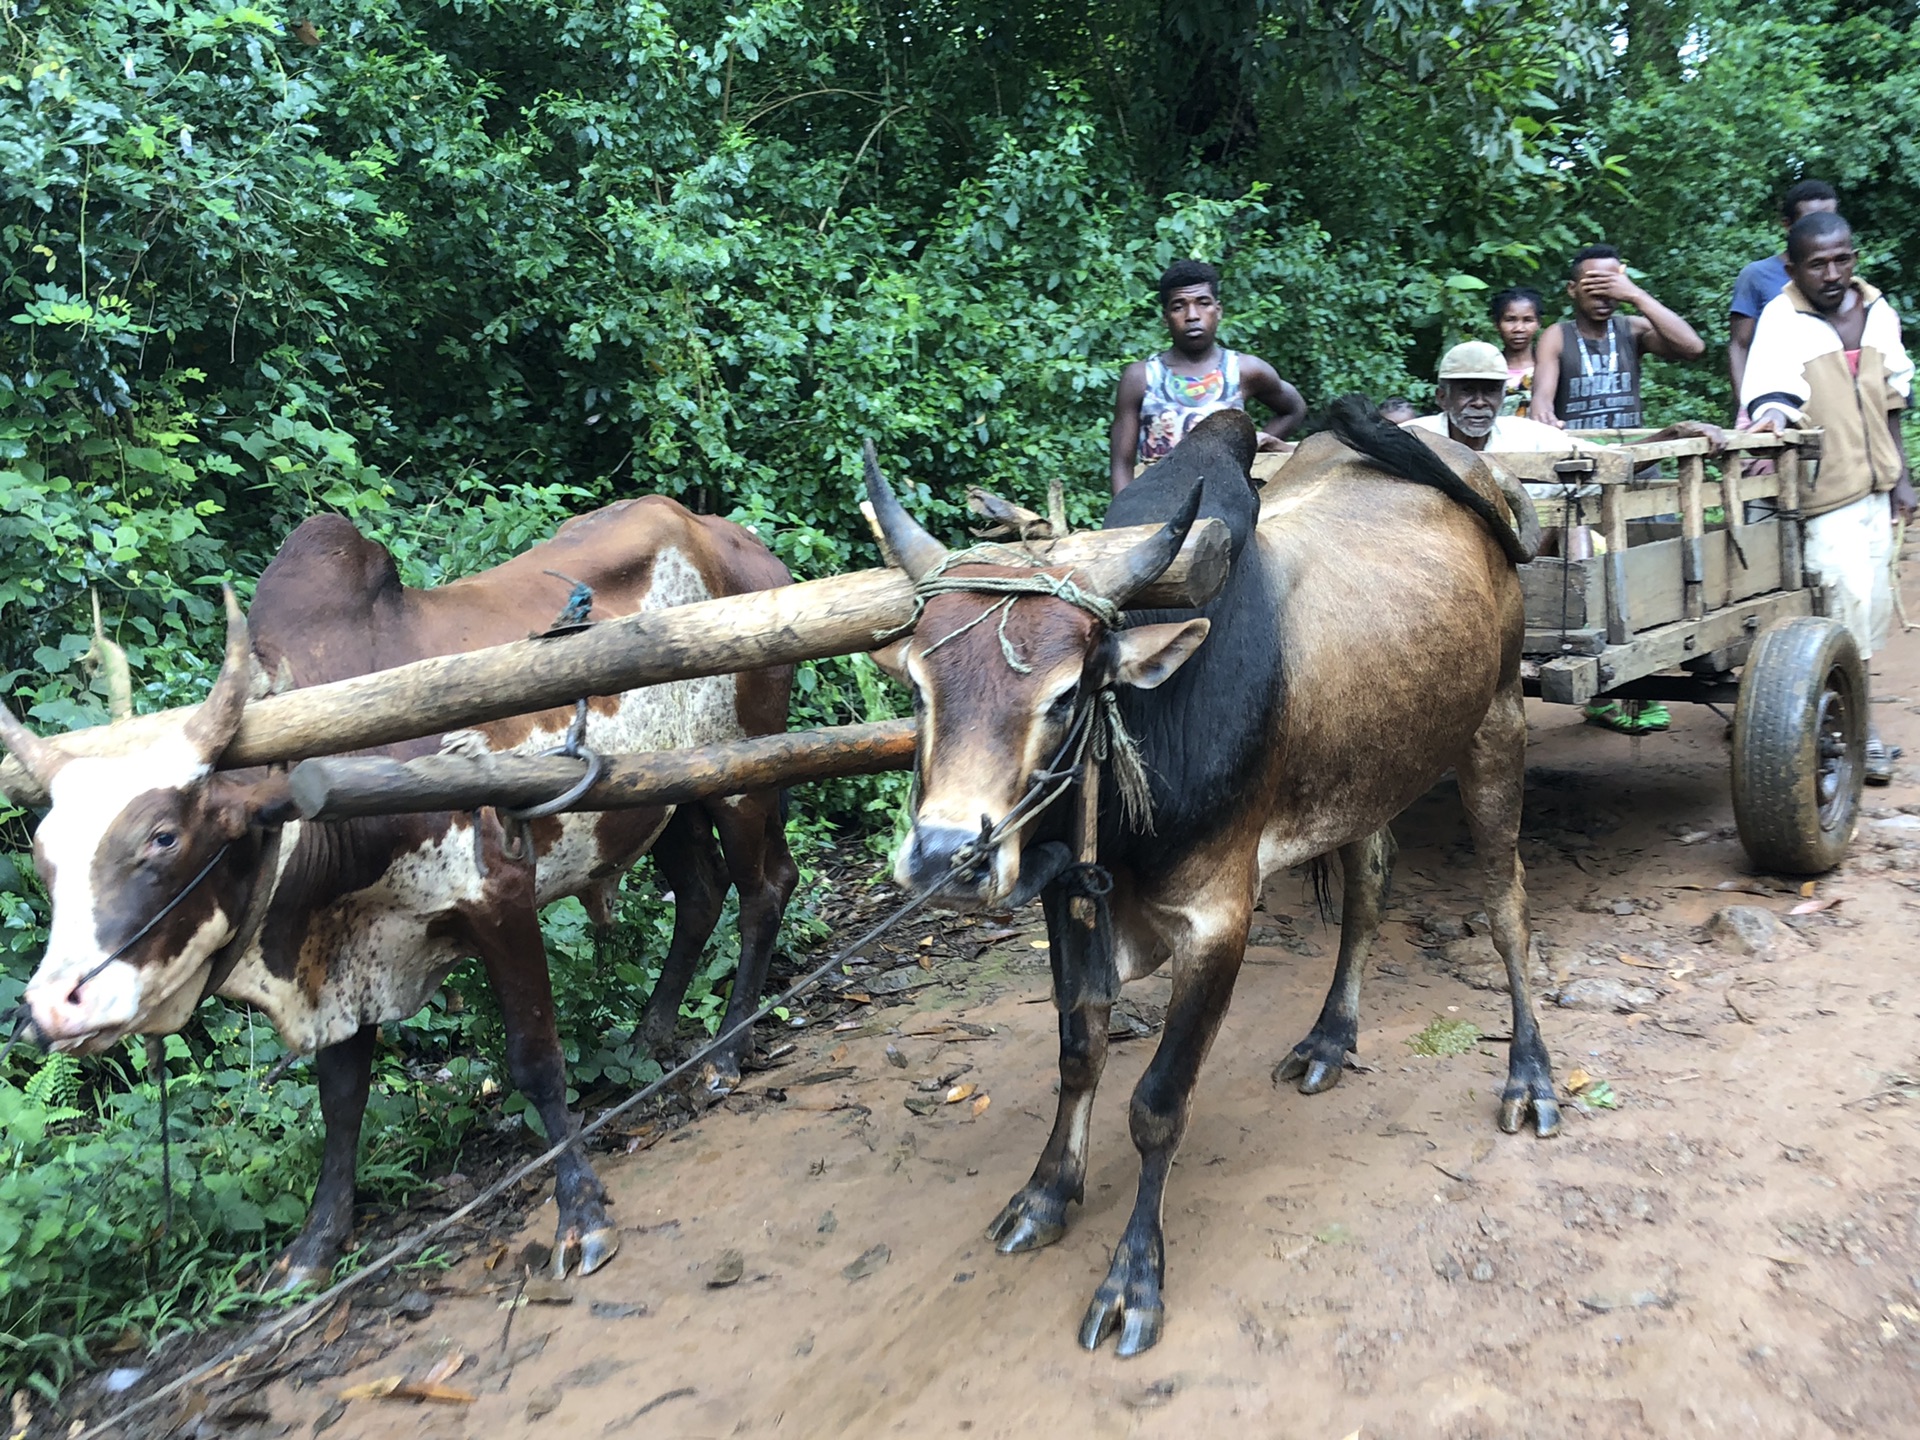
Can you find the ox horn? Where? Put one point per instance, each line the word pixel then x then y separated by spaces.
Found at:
pixel 910 547
pixel 39 758
pixel 218 717
pixel 1121 578
pixel 111 661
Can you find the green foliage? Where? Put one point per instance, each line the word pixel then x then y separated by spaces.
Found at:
pixel 460 268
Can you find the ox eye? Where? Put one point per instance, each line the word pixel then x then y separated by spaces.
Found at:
pixel 1063 703
pixel 163 840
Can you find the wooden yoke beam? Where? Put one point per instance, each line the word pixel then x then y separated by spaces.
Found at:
pixel 339 788
pixel 839 615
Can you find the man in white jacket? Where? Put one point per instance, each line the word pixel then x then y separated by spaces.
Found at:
pixel 1827 353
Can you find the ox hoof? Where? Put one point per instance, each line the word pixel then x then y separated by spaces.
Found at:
pixel 1032 1220
pixel 1545 1110
pixel 718 1081
pixel 597 1247
pixel 1139 1326
pixel 1315 1062
pixel 590 1251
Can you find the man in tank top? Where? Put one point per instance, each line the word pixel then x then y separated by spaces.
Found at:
pixel 1160 399
pixel 1587 370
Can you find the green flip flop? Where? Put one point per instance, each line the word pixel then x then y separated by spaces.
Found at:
pixel 1629 717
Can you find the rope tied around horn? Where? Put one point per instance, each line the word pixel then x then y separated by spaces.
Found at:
pixel 1106 731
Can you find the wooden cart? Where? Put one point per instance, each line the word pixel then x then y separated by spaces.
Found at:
pixel 1697 592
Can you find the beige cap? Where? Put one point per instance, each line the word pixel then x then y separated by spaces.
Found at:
pixel 1473 360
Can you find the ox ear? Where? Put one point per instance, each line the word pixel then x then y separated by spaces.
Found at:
pixel 1146 655
pixel 236 805
pixel 893 658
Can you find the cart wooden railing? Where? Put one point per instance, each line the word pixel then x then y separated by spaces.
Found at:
pixel 1665 588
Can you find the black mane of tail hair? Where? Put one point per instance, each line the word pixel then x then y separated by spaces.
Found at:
pixel 1357 423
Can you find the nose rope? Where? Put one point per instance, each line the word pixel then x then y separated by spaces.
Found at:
pixel 1112 743
pixel 147 929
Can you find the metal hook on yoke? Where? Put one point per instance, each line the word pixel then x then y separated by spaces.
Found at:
pixel 518 824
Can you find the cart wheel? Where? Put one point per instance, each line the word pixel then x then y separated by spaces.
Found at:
pixel 1800 746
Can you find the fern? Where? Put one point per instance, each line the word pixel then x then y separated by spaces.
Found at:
pixel 56 1084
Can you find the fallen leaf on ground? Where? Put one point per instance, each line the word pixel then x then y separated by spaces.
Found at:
pixel 374 1389
pixel 1577 1081
pixel 869 1261
pixel 836 1055
pixel 858 997
pixel 448 1366
pixel 546 1292
pixel 922 1104
pixel 1813 907
pixel 727 1270
pixel 337 1325
pixel 960 1092
pixel 1637 961
pixel 1807 887
pixel 980 1104
pixel 1038 944
pixel 1599 1092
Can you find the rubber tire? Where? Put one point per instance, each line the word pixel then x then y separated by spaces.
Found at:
pixel 1776 802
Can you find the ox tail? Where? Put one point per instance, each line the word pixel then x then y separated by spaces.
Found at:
pixel 1357 423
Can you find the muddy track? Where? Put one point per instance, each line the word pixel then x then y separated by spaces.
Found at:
pixel 1733 1250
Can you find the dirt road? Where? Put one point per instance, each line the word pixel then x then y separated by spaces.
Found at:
pixel 1734 1250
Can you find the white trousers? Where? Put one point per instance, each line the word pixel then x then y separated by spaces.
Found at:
pixel 1852 548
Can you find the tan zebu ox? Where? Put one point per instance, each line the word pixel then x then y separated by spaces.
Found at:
pixel 358 921
pixel 1367 640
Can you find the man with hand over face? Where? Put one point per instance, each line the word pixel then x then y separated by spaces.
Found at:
pixel 1586 372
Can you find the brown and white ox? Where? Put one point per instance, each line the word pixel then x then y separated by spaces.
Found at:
pixel 365 917
pixel 1367 639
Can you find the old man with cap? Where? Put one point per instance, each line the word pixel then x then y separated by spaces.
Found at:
pixel 1473 381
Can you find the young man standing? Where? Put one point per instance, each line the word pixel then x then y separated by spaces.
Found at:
pixel 1764 279
pixel 1827 353
pixel 1159 400
pixel 1587 370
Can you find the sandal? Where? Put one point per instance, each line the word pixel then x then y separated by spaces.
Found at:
pixel 1629 717
pixel 1880 758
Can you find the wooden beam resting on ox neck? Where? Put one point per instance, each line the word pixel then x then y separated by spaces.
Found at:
pixel 839 615
pixel 341 788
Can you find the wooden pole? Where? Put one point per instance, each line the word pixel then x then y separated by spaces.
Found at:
pixel 1613 523
pixel 839 615
pixel 1693 544
pixel 1792 567
pixel 344 787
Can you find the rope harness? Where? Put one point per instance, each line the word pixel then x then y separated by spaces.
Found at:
pixel 1104 735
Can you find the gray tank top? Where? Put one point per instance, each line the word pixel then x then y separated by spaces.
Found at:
pixel 1599 379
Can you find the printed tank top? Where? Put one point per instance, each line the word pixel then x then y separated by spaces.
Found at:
pixel 1599 379
pixel 1174 404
